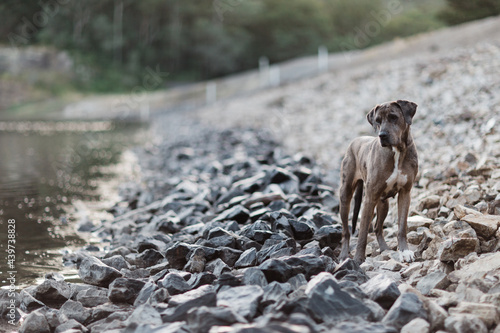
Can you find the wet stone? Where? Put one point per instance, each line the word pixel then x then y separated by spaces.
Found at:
pixel 95 272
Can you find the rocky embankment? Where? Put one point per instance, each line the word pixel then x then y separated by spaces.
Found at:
pixel 228 233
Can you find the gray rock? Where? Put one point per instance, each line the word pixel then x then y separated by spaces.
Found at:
pixel 35 322
pixel 328 235
pixel 437 279
pixel 302 229
pixel 28 302
pixel 382 290
pixel 177 255
pixel 95 272
pixel 148 258
pixel 200 279
pixel 174 283
pixel 117 262
pixel 254 276
pixel 217 267
pixel 202 319
pixel 456 248
pixel 74 310
pixel 197 261
pixel 52 293
pixel 147 290
pixel 326 302
pixel 297 281
pixel 237 213
pixel 244 300
pixel 71 325
pixel 275 292
pixel 276 248
pixel 464 323
pixel 247 259
pixel 145 314
pixel 92 296
pixel 406 308
pixel 229 255
pixel 278 270
pixel 258 231
pixel 123 290
pixel 417 325
pixel 179 305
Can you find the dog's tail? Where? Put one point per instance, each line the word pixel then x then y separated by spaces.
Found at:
pixel 358 195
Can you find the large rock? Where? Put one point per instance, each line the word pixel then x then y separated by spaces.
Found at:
pixel 382 290
pixel 406 308
pixel 179 305
pixel 93 296
pixel 328 303
pixel 174 283
pixel 247 259
pixel 52 293
pixel 485 225
pixel 202 319
pixel 74 310
pixel 417 325
pixel 465 323
pixel 124 290
pixel 455 248
pixel 487 264
pixel 145 314
pixel 95 272
pixel 35 322
pixel 244 300
pixel 488 313
pixel 431 281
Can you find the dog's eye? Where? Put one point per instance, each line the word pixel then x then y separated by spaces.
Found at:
pixel 378 120
pixel 393 118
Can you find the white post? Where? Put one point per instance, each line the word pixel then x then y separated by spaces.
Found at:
pixel 274 76
pixel 322 58
pixel 211 92
pixel 264 71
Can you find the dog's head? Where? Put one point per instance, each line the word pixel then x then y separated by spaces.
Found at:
pixel 391 121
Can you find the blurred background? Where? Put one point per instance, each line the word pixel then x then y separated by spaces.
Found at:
pixel 101 46
pixel 71 72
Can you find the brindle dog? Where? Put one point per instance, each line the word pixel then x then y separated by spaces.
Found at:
pixel 381 167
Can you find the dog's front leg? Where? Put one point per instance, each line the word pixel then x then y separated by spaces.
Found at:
pixel 403 208
pixel 366 219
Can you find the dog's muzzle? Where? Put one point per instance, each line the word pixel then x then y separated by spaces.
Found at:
pixel 384 138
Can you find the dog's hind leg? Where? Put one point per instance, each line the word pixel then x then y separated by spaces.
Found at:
pixel 358 196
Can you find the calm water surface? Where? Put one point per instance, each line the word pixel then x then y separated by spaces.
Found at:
pixel 44 166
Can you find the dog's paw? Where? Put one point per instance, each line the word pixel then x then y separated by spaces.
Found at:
pixel 407 256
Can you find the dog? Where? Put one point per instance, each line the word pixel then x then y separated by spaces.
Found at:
pixel 381 167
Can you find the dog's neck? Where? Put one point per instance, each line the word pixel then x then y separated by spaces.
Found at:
pixel 407 140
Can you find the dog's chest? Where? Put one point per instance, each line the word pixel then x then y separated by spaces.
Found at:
pixel 397 179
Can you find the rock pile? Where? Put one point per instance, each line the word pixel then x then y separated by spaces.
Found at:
pixel 232 235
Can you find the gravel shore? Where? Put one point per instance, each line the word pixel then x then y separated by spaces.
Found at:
pixel 235 225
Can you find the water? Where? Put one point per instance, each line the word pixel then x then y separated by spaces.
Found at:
pixel 44 167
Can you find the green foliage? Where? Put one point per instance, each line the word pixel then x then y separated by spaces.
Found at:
pixel 459 11
pixel 114 42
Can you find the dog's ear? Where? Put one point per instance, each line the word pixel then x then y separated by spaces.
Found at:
pixel 371 115
pixel 408 108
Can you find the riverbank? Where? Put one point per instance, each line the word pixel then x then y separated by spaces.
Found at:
pixel 228 232
pixel 230 222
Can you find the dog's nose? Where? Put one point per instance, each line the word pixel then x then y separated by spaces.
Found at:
pixel 383 135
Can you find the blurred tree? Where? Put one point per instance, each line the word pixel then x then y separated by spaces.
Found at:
pixel 114 42
pixel 459 11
